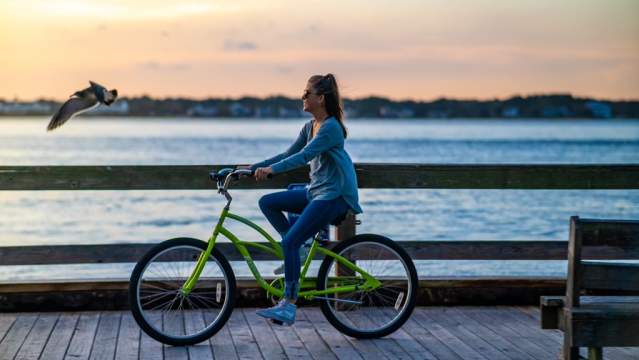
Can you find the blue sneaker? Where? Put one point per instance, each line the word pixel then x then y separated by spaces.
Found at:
pixel 283 312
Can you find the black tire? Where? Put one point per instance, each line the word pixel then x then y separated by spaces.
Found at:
pixel 407 310
pixel 220 319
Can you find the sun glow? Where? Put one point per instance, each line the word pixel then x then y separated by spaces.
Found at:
pixel 401 49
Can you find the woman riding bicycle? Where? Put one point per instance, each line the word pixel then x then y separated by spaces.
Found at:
pixel 182 291
pixel 331 193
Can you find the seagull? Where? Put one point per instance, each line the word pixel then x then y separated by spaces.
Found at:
pixel 82 101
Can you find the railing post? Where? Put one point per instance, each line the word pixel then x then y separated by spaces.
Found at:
pixel 345 231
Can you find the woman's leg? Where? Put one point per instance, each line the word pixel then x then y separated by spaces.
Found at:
pixel 273 205
pixel 316 215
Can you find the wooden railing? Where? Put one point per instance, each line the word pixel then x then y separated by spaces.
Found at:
pixel 411 176
pixel 418 250
pixel 378 176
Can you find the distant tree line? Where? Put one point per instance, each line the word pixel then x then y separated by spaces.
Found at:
pixel 533 106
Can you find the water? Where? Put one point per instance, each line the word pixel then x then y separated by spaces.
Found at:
pixel 88 217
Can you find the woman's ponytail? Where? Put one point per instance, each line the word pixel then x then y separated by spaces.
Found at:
pixel 327 85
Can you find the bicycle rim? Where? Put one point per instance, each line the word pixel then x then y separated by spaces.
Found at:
pixel 370 311
pixel 161 302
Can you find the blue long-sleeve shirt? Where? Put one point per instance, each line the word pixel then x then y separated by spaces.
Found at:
pixel 332 171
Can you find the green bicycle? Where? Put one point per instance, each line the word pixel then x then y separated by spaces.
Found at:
pixel 183 290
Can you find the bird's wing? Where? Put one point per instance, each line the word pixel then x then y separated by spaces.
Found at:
pixel 70 108
pixel 84 93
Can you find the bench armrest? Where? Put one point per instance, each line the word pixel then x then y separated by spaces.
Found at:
pixel 551 308
pixel 552 301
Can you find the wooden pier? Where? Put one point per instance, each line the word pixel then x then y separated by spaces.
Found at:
pixel 481 333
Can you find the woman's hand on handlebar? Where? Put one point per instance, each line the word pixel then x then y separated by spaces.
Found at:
pixel 263 173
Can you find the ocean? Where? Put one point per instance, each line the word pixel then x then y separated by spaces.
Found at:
pixel 91 217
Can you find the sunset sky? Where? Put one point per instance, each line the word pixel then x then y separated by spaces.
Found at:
pixel 402 49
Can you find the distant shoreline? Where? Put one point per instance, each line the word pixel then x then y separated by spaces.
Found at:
pixel 531 107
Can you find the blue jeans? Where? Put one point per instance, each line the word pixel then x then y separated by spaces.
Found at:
pixel 314 215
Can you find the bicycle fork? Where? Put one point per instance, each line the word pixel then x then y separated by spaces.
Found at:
pixel 202 259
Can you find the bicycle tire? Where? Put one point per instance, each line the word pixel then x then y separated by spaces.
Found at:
pixel 210 330
pixel 325 305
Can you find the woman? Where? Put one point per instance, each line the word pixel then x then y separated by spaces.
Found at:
pixel 331 192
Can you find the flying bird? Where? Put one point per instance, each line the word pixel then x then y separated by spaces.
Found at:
pixel 82 101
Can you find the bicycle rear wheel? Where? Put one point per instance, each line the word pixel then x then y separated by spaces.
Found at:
pixel 369 313
pixel 158 304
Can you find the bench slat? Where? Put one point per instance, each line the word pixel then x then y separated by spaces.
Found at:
pixel 594 331
pixel 609 276
pixel 623 234
pixel 605 311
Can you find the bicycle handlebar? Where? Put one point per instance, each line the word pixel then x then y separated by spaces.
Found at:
pixel 246 172
pixel 239 172
pixel 224 176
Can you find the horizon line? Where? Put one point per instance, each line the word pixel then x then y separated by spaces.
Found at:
pixel 441 97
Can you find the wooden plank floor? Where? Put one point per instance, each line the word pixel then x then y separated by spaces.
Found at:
pixel 483 333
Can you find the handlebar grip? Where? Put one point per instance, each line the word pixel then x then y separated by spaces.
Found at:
pixel 268 176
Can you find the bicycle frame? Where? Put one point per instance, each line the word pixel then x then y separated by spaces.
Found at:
pixel 275 249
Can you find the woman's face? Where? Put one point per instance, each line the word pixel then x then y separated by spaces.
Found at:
pixel 311 100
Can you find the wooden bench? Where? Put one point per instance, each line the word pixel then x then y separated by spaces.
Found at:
pixel 597 321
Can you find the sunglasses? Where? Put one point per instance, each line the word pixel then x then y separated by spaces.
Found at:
pixel 306 94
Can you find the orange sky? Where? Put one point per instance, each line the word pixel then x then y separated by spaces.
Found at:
pixel 416 49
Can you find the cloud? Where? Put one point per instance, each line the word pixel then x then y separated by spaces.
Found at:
pixel 179 66
pixel 283 69
pixel 234 45
pixel 312 28
pixel 154 65
pixel 121 9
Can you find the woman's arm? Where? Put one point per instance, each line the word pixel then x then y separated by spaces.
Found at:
pixel 295 147
pixel 329 135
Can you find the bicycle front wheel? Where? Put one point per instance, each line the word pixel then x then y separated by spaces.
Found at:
pixel 163 310
pixel 375 312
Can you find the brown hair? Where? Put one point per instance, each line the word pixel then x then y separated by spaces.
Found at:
pixel 327 85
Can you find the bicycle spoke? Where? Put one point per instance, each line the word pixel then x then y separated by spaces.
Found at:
pixel 202 302
pixel 170 305
pixel 156 287
pixel 205 300
pixel 163 305
pixel 190 304
pixel 155 296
